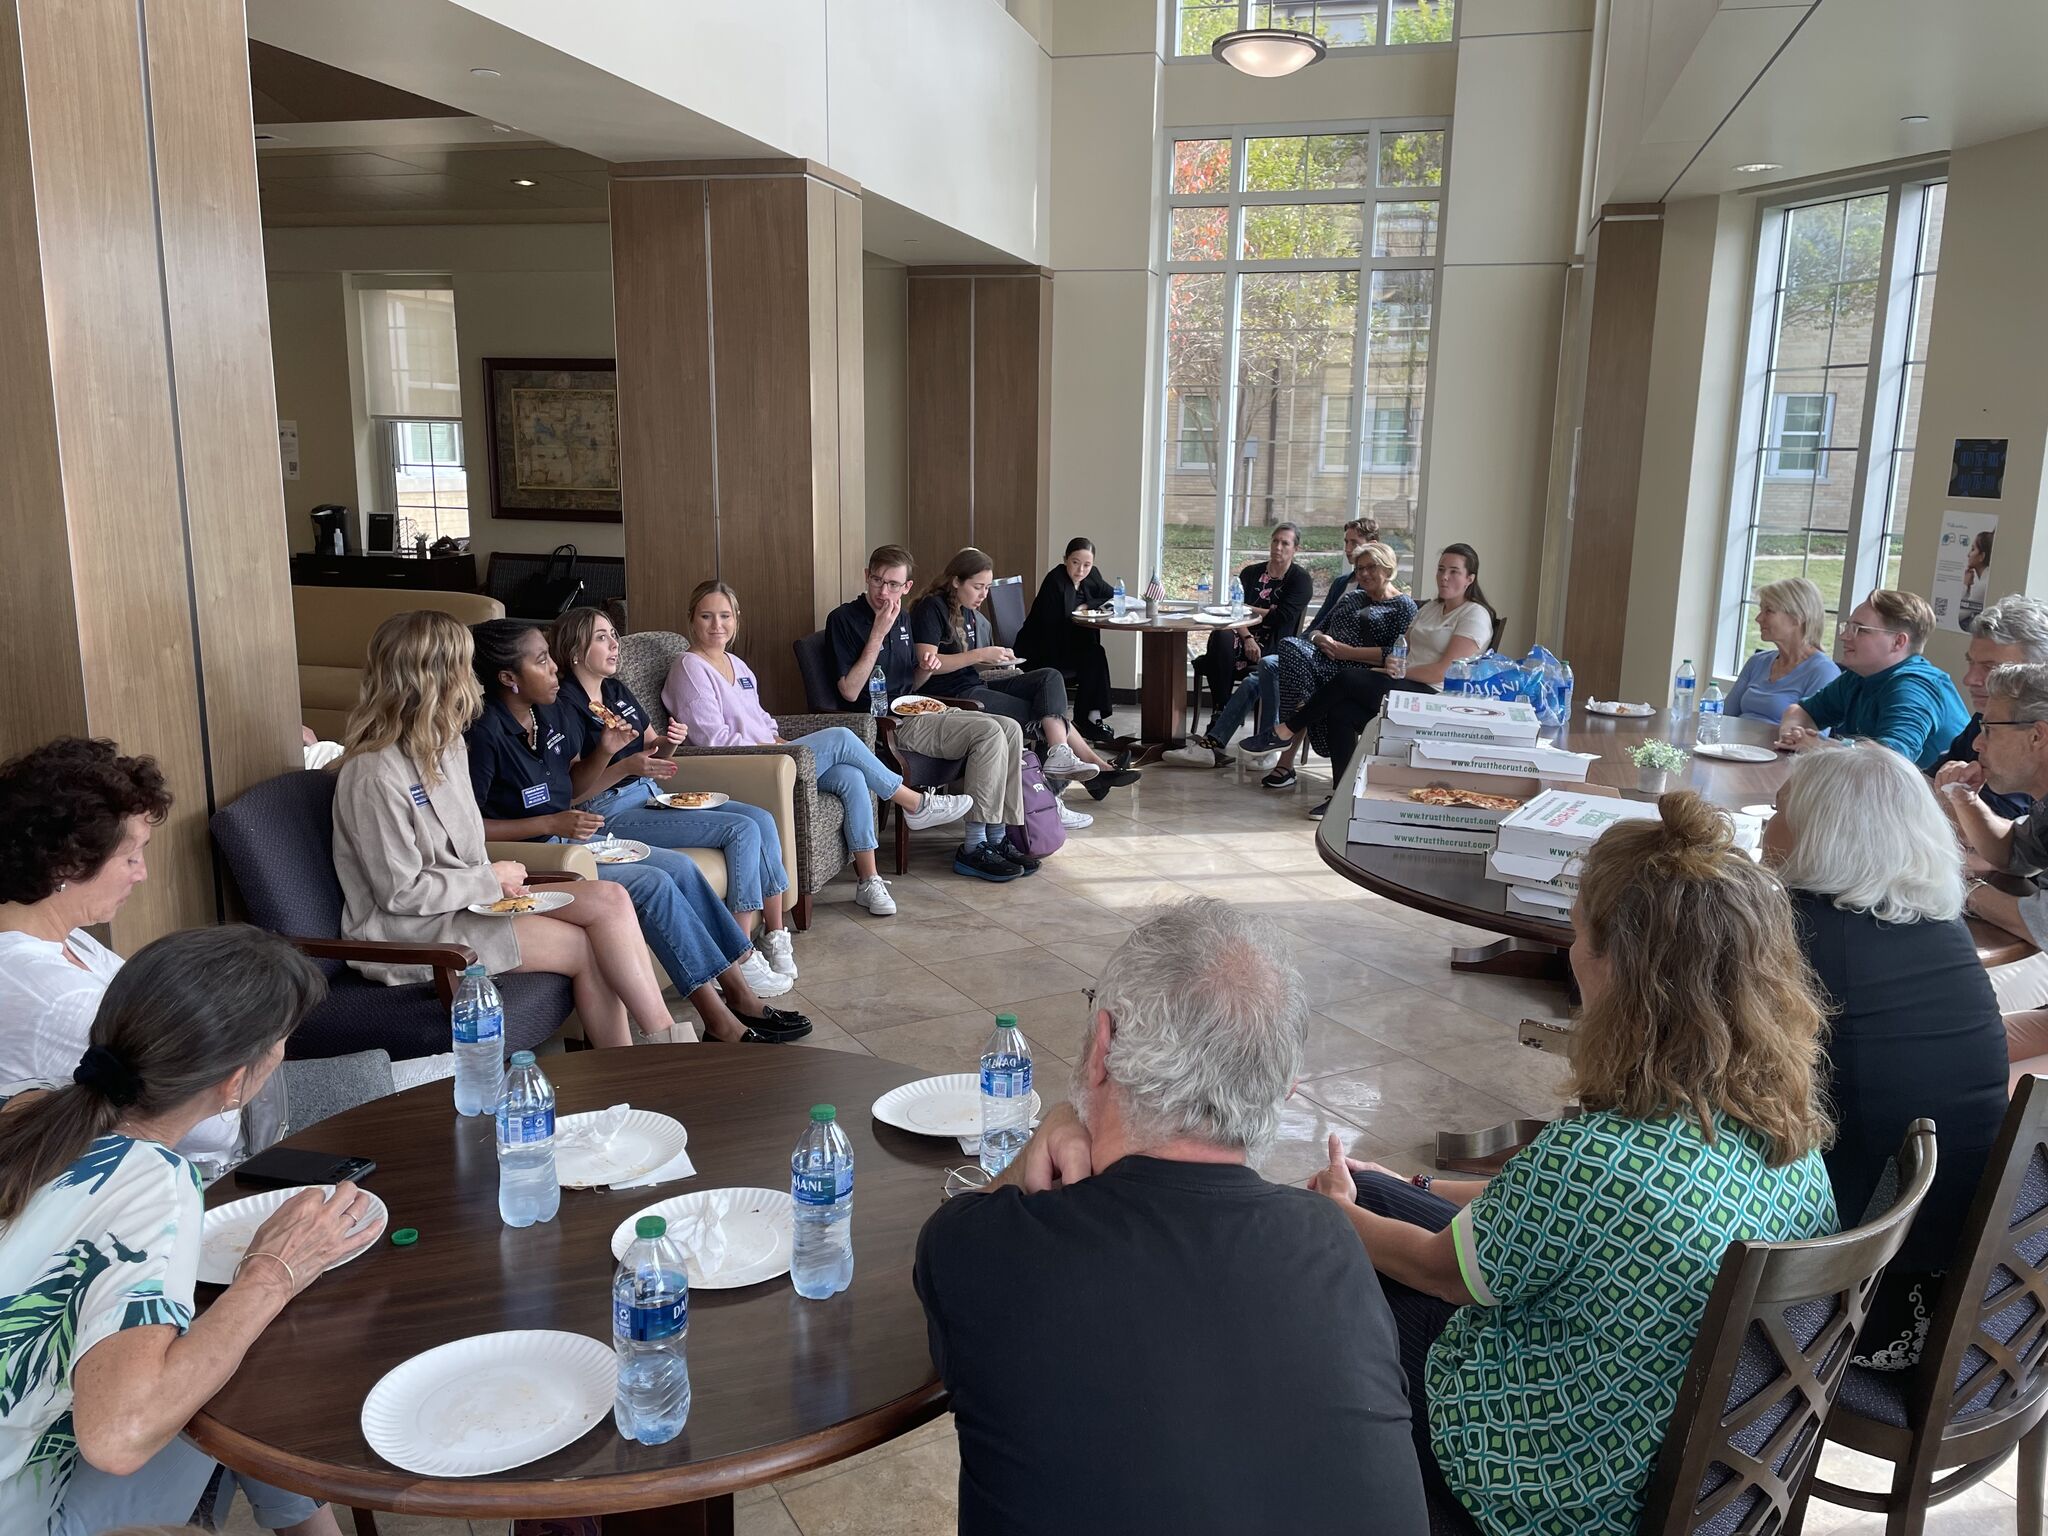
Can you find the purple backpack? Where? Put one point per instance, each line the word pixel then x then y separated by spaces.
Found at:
pixel 1041 833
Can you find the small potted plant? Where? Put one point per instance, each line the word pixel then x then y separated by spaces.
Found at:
pixel 1655 762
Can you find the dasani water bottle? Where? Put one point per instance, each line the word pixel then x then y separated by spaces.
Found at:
pixel 1236 598
pixel 1117 599
pixel 650 1329
pixel 1005 1095
pixel 1397 657
pixel 527 1190
pixel 1712 709
pixel 1684 689
pixel 479 1021
pixel 878 694
pixel 821 1191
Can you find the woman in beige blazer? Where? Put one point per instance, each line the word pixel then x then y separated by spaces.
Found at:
pixel 409 842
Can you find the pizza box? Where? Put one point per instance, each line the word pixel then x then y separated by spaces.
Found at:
pixel 1545 905
pixel 1560 876
pixel 1394 834
pixel 1518 759
pixel 1564 823
pixel 1397 773
pixel 1380 802
pixel 1457 717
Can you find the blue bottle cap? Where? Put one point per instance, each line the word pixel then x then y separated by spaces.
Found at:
pixel 522 1058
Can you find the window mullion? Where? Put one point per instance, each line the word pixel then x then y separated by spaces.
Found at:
pixel 1863 567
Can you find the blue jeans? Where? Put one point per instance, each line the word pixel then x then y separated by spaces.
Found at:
pixel 855 777
pixel 746 834
pixel 165 1490
pixel 1262 687
pixel 689 932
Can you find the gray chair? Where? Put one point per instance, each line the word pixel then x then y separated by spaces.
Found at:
pixel 1007 609
pixel 314 1090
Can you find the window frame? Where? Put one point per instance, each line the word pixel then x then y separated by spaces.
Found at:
pixel 1871 505
pixel 1184 430
pixel 1382 27
pixel 1774 458
pixel 386 432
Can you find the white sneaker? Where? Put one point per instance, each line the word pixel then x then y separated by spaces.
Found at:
pixel 781 952
pixel 763 977
pixel 1261 761
pixel 874 895
pixel 1062 761
pixel 936 811
pixel 1192 757
pixel 1072 819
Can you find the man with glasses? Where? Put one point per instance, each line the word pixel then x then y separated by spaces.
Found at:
pixel 1888 692
pixel 2012 631
pixel 872 631
pixel 1139 1332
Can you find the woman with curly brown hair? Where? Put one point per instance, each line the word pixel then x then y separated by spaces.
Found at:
pixel 1546 1315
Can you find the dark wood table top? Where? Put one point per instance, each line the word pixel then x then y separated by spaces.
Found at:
pixel 1168 623
pixel 779 1384
pixel 1454 885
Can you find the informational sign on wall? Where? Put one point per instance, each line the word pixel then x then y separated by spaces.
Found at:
pixel 1978 468
pixel 1963 568
pixel 288 447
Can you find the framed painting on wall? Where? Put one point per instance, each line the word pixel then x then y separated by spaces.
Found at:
pixel 551 426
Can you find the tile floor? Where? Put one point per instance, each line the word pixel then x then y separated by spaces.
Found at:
pixel 1399 1046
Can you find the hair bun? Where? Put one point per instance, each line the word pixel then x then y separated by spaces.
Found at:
pixel 1696 834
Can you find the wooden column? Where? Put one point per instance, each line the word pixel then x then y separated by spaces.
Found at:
pixel 1622 263
pixel 737 290
pixel 978 460
pixel 146 594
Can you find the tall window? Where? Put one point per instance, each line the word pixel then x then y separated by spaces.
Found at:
pixel 1831 401
pixel 413 391
pixel 1339 23
pixel 1300 305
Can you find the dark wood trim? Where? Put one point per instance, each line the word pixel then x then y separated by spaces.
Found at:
pixel 1632 211
pixel 997 270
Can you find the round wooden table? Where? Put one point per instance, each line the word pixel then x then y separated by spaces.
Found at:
pixel 1163 667
pixel 779 1384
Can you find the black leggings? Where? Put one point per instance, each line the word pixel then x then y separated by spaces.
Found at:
pixel 1027 699
pixel 1344 705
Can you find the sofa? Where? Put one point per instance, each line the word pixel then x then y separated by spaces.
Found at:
pixel 333 626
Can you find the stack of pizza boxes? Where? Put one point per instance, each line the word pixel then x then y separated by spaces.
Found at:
pixel 1540 848
pixel 1446 770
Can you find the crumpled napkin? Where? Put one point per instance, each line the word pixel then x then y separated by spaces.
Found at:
pixel 701 1239
pixel 677 1167
pixel 971 1145
pixel 592 1134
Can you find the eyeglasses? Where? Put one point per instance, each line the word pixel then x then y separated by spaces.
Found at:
pixel 1851 629
pixel 965 1181
pixel 888 586
pixel 2025 725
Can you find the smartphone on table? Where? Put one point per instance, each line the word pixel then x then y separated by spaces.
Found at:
pixel 289 1167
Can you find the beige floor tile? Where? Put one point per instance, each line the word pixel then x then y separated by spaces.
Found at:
pixel 1332 1047
pixel 942 940
pixel 1535 1082
pixel 1415 1021
pixel 951 1044
pixel 768 1517
pixel 1016 976
pixel 1084 957
pixel 830 1037
pixel 1067 919
pixel 1129 891
pixel 1302 1145
pixel 839 946
pixel 1403 1102
pixel 914 1493
pixel 242 1523
pixel 905 992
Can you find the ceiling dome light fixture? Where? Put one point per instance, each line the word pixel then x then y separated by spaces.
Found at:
pixel 1914 119
pixel 1758 167
pixel 1268 52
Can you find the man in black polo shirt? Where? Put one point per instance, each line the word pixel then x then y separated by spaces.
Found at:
pixel 872 631
pixel 1162 1340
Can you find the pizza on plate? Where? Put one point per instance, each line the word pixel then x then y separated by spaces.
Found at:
pixel 919 707
pixel 1464 799
pixel 687 800
pixel 514 904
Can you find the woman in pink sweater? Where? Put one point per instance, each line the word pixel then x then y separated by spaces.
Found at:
pixel 714 693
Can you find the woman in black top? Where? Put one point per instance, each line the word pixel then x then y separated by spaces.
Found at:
pixel 1278 591
pixel 1877 889
pixel 1050 638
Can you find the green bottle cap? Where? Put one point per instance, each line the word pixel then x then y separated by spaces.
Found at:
pixel 522 1058
pixel 405 1237
pixel 821 1113
pixel 1006 1021
pixel 649 1226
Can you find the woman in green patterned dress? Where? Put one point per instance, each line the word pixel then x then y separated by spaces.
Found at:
pixel 101 1359
pixel 1546 1315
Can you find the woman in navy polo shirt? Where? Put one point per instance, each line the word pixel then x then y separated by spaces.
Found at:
pixel 524 767
pixel 586 652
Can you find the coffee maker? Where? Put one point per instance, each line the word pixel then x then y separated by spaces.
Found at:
pixel 333 530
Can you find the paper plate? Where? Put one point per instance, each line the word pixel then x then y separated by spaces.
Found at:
pixel 543 901
pixel 700 800
pixel 619 850
pixel 490 1403
pixel 1760 812
pixel 1129 618
pixel 1614 707
pixel 939 1106
pixel 644 1142
pixel 227 1230
pixel 1222 612
pixel 1735 752
pixel 759 1227
pixel 896 706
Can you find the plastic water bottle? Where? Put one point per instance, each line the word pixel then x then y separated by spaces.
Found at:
pixel 1397 657
pixel 1118 599
pixel 527 1190
pixel 1684 688
pixel 1458 676
pixel 1202 590
pixel 1564 695
pixel 1711 713
pixel 821 1188
pixel 650 1329
pixel 1236 598
pixel 878 693
pixel 1005 1095
pixel 479 1020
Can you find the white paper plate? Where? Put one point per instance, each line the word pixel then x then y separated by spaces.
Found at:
pixel 644 1142
pixel 759 1227
pixel 620 850
pixel 896 705
pixel 713 799
pixel 1614 707
pixel 1222 612
pixel 490 1403
pixel 227 1230
pixel 543 901
pixel 1760 812
pixel 1129 618
pixel 1735 752
pixel 939 1106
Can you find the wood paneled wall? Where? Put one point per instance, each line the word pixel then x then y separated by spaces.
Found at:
pixel 978 435
pixel 146 597
pixel 1622 262
pixel 737 288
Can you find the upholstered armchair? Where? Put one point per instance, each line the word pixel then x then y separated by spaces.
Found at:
pixel 814 824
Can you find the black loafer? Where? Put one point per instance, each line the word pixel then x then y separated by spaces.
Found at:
pixel 1100 786
pixel 778 1026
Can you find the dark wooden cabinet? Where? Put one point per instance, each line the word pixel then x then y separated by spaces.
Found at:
pixel 429 573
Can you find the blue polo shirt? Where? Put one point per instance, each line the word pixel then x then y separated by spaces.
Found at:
pixel 574 705
pixel 513 780
pixel 1913 708
pixel 848 627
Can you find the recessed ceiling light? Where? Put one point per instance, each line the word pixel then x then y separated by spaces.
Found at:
pixel 1758 167
pixel 1915 118
pixel 521 181
pixel 502 128
pixel 1268 52
pixel 484 74
pixel 271 138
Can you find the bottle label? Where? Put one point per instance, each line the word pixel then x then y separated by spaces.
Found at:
pixel 824 1186
pixel 523 1128
pixel 484 1024
pixel 1006 1082
pixel 645 1322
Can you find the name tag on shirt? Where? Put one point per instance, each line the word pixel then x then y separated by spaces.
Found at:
pixel 419 795
pixel 533 795
pixel 747 683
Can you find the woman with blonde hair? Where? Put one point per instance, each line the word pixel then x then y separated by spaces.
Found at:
pixel 1877 892
pixel 1793 666
pixel 1543 1365
pixel 409 841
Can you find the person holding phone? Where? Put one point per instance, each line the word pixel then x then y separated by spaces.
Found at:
pixel 629 763
pixel 99 1243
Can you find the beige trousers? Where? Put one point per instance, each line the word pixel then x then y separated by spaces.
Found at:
pixel 993 747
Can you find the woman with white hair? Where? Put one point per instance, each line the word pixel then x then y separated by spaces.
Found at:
pixel 1877 891
pixel 1793 666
